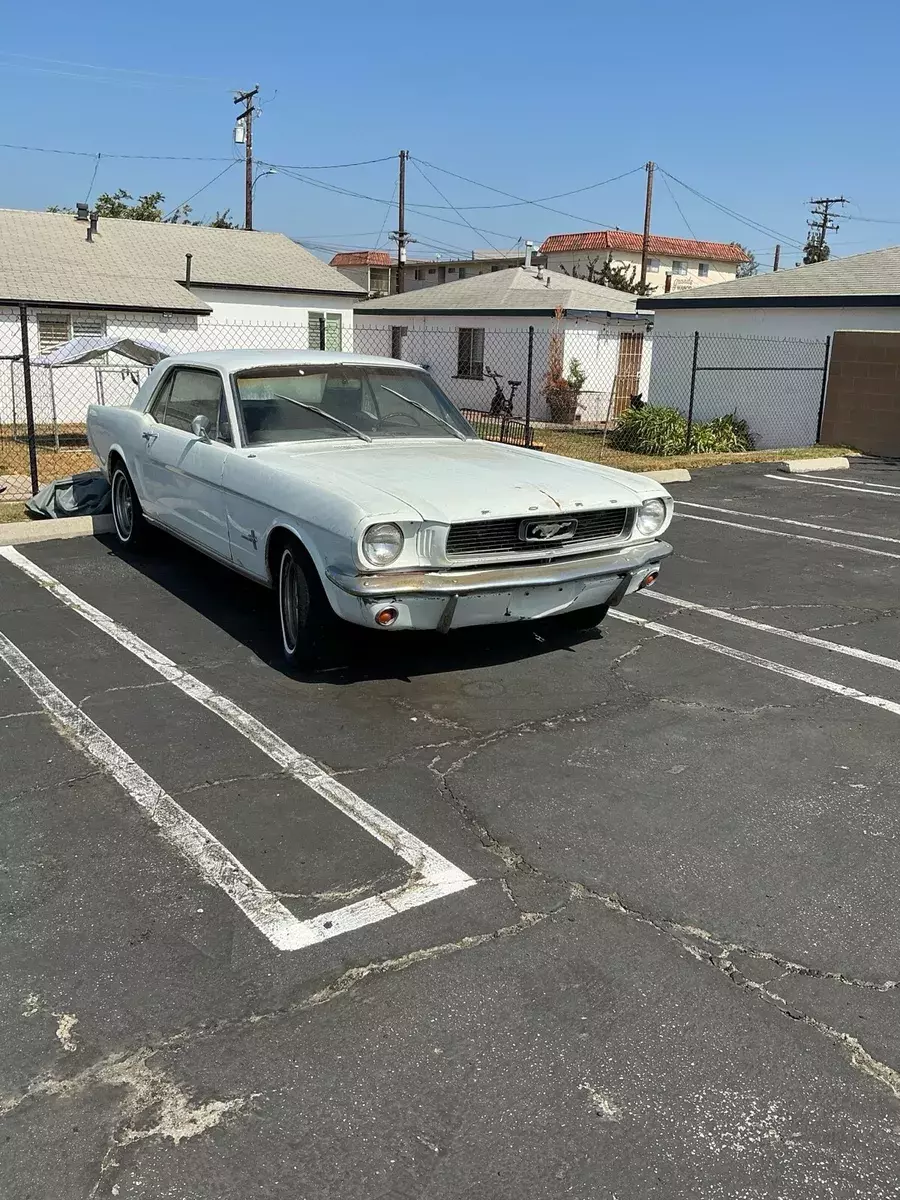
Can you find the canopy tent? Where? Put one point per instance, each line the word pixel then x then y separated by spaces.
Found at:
pixel 86 349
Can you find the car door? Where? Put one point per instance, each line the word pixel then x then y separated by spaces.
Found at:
pixel 181 473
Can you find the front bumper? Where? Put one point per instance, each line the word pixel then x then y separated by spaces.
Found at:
pixel 492 595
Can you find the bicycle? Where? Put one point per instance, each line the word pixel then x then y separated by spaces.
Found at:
pixel 501 404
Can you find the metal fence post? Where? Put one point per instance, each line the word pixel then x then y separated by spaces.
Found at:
pixel 690 412
pixel 29 401
pixel 528 373
pixel 824 383
pixel 322 333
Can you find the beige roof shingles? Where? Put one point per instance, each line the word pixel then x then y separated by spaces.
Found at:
pixel 46 258
pixel 860 278
pixel 515 290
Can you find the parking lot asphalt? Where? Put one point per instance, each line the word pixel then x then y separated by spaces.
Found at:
pixel 509 913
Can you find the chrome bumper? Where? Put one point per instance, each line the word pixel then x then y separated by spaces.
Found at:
pixel 386 585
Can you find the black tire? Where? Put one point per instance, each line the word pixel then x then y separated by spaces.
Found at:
pixel 585 618
pixel 305 618
pixel 131 527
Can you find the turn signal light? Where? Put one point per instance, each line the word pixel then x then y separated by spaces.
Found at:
pixel 386 616
pixel 648 580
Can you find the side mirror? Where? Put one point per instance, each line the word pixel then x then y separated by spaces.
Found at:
pixel 200 428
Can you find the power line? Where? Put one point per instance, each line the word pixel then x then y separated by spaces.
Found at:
pixel 540 199
pixel 185 157
pixel 378 243
pixel 458 213
pixel 233 163
pixel 748 221
pixel 521 199
pixel 87 198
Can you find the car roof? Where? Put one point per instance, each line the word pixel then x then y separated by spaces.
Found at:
pixel 245 360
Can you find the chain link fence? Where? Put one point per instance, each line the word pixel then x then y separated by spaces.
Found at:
pixel 563 388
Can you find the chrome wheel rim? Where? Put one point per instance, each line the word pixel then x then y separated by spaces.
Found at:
pixel 290 605
pixel 123 506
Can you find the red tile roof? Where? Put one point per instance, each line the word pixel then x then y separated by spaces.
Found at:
pixel 362 258
pixel 619 239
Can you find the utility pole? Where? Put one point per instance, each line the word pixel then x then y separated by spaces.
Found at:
pixel 645 244
pixel 247 118
pixel 777 261
pixel 400 234
pixel 821 222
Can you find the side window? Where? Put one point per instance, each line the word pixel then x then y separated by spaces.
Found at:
pixel 224 429
pixel 194 394
pixel 157 407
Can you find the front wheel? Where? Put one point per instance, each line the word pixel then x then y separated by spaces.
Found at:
pixel 130 525
pixel 585 618
pixel 304 615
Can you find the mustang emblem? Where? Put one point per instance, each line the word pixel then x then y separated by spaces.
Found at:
pixel 548 531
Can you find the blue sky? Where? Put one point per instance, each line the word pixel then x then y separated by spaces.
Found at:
pixel 759 107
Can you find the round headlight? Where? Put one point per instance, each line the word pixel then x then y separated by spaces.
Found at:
pixel 382 544
pixel 651 517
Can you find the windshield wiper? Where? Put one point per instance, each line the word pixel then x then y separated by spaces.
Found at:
pixel 427 411
pixel 363 437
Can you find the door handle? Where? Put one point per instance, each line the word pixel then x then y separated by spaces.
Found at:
pixel 149 436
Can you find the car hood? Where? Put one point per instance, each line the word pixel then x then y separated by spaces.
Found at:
pixel 463 481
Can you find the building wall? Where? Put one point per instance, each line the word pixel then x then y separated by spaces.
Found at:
pixel 579 259
pixel 782 407
pixel 862 403
pixel 235 306
pixel 432 342
pixel 434 273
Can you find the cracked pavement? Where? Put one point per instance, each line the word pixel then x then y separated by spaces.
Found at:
pixel 677 974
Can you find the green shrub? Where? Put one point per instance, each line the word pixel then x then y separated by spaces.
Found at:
pixel 658 430
pixel 652 429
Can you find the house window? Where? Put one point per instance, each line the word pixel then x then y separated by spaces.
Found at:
pixel 470 354
pixel 56 328
pixel 332 331
pixel 653 264
pixel 417 273
pixel 451 270
pixel 679 267
pixel 703 270
pixel 380 280
pixel 432 271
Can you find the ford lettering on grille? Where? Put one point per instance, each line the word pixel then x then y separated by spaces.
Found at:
pixel 548 531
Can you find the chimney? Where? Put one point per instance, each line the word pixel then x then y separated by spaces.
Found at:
pixel 94 219
pixel 529 249
pixel 187 269
pixel 81 212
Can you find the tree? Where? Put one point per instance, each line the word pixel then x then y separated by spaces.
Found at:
pixel 815 251
pixel 748 268
pixel 620 277
pixel 151 207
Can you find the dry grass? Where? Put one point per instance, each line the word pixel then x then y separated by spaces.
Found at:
pixel 52 463
pixel 12 512
pixel 592 449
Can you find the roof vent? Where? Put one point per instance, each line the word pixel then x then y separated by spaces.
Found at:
pixel 81 212
pixel 540 272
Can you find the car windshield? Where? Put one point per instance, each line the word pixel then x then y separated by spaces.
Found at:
pixel 278 404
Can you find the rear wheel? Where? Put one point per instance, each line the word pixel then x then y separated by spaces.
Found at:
pixel 131 527
pixel 585 618
pixel 304 615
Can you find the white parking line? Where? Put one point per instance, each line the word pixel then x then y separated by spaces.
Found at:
pixel 841 487
pixel 889 487
pixel 435 876
pixel 767 664
pixel 797 537
pixel 879 660
pixel 192 840
pixel 735 512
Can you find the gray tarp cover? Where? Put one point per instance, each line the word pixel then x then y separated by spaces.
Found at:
pixel 82 495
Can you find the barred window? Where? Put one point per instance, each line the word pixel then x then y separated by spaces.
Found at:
pixel 470 354
pixel 703 270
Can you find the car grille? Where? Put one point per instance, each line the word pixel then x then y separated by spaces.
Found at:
pixel 488 537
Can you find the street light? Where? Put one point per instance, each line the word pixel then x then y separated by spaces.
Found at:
pixel 270 171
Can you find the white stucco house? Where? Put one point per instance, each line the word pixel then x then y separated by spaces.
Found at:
pixel 782 320
pixel 463 330
pixel 674 264
pixel 185 287
pixel 371 269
